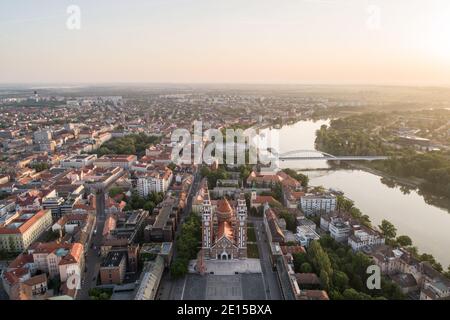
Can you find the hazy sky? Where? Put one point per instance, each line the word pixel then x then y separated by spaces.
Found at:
pixel 262 41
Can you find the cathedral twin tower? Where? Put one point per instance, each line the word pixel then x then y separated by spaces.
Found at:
pixel 224 229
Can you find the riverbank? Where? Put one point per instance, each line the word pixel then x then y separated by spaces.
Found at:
pixel 408 182
pixel 375 193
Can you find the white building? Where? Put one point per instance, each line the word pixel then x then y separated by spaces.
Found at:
pixel 339 229
pixel 364 237
pixel 154 181
pixel 312 204
pixel 305 234
pixel 78 161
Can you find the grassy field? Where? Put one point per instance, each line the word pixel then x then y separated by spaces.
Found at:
pixel 251 236
pixel 252 251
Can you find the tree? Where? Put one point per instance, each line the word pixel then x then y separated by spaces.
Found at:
pixel 344 204
pixel 149 206
pixel 319 258
pixel 340 280
pixel 299 259
pixel 179 268
pixel 325 279
pixel 352 294
pixel 404 241
pixel 303 179
pixel 305 268
pixel 447 274
pixel 291 223
pixel 40 166
pixel 115 191
pixel 388 229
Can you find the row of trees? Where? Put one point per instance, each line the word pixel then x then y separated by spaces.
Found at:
pixel 432 167
pixel 300 177
pixel 213 175
pixel 148 203
pixel 40 166
pixel 346 205
pixel 342 272
pixel 187 245
pixel 100 294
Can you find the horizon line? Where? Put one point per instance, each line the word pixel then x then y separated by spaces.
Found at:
pixel 248 83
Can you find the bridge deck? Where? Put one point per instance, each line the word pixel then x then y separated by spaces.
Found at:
pixel 338 158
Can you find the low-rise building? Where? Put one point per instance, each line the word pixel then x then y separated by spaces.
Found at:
pixel 364 237
pixel 113 267
pixel 340 229
pixel 163 222
pixel 78 161
pixel 305 234
pixel 273 229
pixel 150 279
pixel 111 161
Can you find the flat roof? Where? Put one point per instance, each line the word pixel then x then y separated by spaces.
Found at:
pixel 113 259
pixel 163 216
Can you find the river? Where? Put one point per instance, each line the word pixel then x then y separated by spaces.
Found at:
pixel 427 225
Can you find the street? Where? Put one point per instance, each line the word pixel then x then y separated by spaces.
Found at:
pixel 167 284
pixel 271 284
pixel 93 260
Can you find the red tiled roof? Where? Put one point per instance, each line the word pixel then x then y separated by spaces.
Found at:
pixel 223 206
pixel 226 229
pixel 25 226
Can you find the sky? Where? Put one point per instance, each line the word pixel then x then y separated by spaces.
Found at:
pixel 398 42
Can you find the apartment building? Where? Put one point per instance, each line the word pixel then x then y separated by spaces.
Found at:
pixel 364 237
pixel 20 230
pixel 154 181
pixel 58 259
pixel 113 267
pixel 313 204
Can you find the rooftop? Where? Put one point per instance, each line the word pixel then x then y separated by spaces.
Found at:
pixel 113 259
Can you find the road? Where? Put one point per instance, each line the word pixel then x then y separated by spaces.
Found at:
pixel 92 258
pixel 165 291
pixel 271 284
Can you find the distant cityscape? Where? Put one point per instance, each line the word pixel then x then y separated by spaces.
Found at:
pixel 94 206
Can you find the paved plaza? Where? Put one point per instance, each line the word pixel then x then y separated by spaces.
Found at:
pixel 221 287
pixel 231 267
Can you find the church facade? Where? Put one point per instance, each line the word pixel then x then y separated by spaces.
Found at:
pixel 224 230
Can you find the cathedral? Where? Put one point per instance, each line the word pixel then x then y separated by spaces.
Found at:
pixel 224 229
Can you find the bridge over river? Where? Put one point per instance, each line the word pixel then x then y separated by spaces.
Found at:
pixel 319 155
